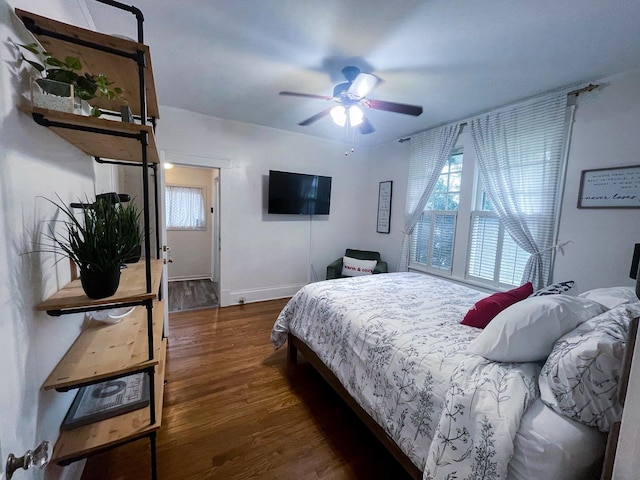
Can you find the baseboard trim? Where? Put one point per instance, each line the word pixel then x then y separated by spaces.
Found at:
pixel 236 297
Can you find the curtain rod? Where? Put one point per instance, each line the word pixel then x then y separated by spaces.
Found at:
pixel 588 88
pixel 576 92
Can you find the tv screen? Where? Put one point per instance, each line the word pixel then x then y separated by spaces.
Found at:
pixel 298 193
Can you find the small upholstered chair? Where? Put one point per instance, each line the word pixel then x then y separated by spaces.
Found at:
pixel 334 270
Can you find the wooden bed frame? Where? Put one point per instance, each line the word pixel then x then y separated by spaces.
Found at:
pixel 293 345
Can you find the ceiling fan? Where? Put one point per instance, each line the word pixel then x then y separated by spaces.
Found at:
pixel 351 99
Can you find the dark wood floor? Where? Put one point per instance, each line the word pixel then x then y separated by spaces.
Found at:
pixel 234 409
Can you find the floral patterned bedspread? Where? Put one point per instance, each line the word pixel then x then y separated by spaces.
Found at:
pixel 395 342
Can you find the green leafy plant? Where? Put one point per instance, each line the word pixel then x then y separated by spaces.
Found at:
pixel 100 241
pixel 68 71
pixel 130 232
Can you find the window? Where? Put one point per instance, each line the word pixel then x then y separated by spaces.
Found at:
pixel 494 257
pixel 433 237
pixel 185 208
pixel 519 152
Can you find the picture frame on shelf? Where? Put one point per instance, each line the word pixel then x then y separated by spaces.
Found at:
pixel 107 399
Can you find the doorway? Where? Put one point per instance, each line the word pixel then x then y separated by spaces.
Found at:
pixel 192 213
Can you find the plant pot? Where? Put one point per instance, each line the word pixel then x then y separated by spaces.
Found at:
pixel 52 95
pixel 81 107
pixel 135 256
pixel 99 284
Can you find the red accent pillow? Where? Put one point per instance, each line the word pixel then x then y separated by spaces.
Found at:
pixel 484 310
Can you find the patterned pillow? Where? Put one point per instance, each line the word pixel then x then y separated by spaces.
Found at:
pixel 554 288
pixel 580 377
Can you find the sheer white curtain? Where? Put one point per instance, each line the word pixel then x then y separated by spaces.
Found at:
pixel 519 153
pixel 185 207
pixel 429 152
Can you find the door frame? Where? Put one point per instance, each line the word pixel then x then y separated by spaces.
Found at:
pixel 222 165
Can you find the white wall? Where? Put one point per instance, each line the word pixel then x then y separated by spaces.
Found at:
pixel 191 249
pixel 33 162
pixel 271 256
pixel 605 134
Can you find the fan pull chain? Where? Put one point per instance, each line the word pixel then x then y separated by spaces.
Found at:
pixel 350 136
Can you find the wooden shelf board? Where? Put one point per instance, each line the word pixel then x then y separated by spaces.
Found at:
pixel 122 71
pixel 85 441
pixel 132 288
pixel 99 144
pixel 104 351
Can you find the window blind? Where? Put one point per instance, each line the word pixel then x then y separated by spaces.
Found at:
pixel 432 241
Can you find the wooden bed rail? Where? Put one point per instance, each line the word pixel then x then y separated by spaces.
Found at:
pixel 293 345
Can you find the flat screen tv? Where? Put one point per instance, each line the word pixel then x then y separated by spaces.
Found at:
pixel 299 193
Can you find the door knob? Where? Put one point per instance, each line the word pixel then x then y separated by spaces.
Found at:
pixel 37 458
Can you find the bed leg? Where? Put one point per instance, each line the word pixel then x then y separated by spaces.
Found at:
pixel 292 351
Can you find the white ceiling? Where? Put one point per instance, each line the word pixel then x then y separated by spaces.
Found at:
pixel 456 58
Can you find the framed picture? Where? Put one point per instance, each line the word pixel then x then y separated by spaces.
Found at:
pixel 107 399
pixel 610 188
pixel 384 207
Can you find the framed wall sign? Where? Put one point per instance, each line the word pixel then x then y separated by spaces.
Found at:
pixel 610 188
pixel 384 207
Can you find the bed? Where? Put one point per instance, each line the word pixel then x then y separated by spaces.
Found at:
pixel 454 401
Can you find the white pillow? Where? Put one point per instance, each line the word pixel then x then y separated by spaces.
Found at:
pixel 526 331
pixel 352 267
pixel 611 297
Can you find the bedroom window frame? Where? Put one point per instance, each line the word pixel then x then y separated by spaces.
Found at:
pixel 431 241
pixel 452 189
pixel 184 224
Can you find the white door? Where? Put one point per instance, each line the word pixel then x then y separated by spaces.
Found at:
pixel 131 183
pixel 164 248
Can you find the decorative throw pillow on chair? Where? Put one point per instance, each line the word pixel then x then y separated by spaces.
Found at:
pixel 352 267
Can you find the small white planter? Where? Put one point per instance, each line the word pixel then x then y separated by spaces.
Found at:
pixel 42 97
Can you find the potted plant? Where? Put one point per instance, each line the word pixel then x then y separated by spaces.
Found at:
pixel 96 243
pixel 130 232
pixel 58 75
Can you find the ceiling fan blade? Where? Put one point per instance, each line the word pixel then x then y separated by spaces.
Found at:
pixel 363 84
pixel 306 95
pixel 414 110
pixel 366 127
pixel 315 118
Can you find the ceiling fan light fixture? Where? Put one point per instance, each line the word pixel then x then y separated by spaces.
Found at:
pixel 351 99
pixel 355 116
pixel 363 84
pixel 339 115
